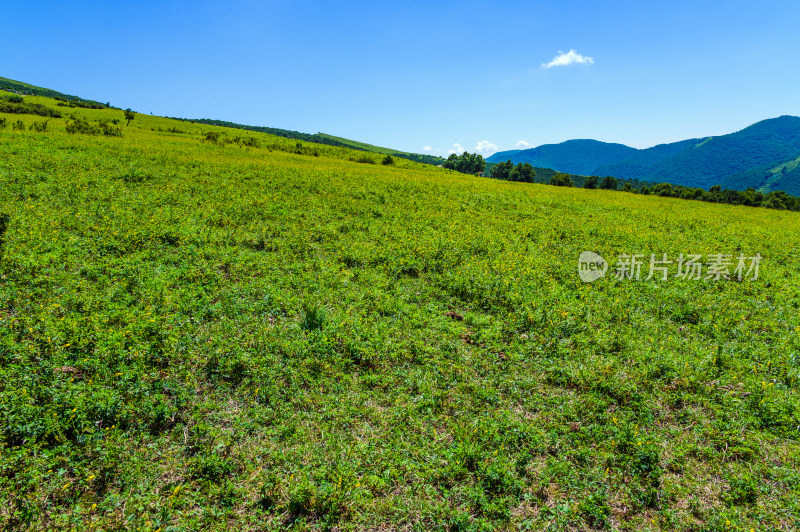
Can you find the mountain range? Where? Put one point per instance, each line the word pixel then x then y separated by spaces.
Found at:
pixel 764 156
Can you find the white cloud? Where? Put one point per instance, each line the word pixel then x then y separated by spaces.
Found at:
pixel 522 145
pixel 485 147
pixel 427 148
pixel 570 58
pixel 457 148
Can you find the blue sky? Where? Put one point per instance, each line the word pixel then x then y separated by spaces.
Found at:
pixel 413 75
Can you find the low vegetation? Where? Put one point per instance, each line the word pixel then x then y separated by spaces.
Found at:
pixel 201 334
pixel 17 105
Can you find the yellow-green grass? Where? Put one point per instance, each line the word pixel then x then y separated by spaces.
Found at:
pixel 365 146
pixel 199 335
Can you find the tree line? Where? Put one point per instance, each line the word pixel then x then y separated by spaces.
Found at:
pixel 777 199
pixel 466 163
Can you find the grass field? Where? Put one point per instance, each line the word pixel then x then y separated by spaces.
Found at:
pixel 364 146
pixel 197 335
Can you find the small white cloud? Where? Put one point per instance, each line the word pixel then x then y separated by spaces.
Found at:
pixel 570 58
pixel 427 148
pixel 457 149
pixel 522 145
pixel 485 147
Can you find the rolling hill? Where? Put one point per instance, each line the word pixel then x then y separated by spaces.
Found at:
pixel 208 329
pixel 19 87
pixel 764 156
pixel 421 158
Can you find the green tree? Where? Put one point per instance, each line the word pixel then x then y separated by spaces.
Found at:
pixel 662 189
pixel 523 173
pixel 129 115
pixel 466 163
pixel 451 161
pixel 502 170
pixel 561 180
pixel 591 182
pixel 609 183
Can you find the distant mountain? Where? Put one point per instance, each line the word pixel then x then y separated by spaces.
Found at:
pixel 573 156
pixel 765 156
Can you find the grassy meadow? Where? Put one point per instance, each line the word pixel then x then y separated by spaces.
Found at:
pixel 264 334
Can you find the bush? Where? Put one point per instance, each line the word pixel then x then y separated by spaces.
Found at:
pixel 20 107
pixel 39 127
pixel 250 142
pixel 387 161
pixel 81 126
pixel 19 125
pixel 2 122
pixel 108 130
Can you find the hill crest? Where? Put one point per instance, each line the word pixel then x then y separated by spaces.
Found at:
pixel 763 156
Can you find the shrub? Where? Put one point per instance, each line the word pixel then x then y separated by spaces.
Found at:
pixel 2 122
pixel 19 125
pixel 20 107
pixel 108 130
pixel 212 136
pixel 250 142
pixel 81 126
pixel 387 161
pixel 39 127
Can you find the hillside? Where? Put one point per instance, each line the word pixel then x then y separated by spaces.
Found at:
pixel 426 159
pixel 207 328
pixel 19 87
pixel 763 156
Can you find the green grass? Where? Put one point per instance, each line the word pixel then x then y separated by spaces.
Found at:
pixel 363 145
pixel 211 335
pixel 26 88
pixel 428 159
